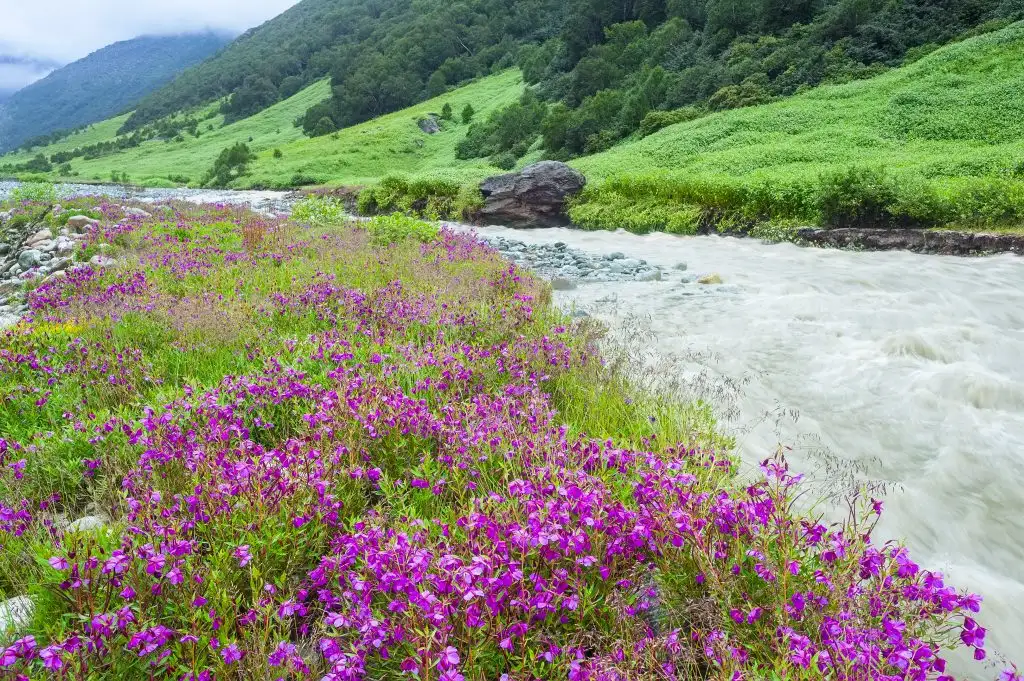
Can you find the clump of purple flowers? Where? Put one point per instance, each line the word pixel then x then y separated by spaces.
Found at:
pixel 390 489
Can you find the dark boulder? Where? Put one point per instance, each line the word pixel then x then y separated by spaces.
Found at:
pixel 429 125
pixel 533 197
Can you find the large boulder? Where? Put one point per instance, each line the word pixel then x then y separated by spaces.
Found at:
pixel 533 197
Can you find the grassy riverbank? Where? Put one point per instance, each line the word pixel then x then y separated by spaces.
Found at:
pixel 368 451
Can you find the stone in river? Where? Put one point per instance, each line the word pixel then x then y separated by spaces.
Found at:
pixel 710 279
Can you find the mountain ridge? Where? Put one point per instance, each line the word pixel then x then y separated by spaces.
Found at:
pixel 105 83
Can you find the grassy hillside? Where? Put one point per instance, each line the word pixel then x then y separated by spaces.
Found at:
pixel 957 112
pixel 943 138
pixel 356 155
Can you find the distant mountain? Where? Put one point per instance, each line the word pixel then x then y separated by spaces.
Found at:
pixel 16 72
pixel 103 84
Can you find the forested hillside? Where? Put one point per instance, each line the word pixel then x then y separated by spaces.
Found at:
pixel 601 69
pixel 384 55
pixel 103 84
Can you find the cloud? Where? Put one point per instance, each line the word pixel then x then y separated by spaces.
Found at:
pixel 16 75
pixel 66 30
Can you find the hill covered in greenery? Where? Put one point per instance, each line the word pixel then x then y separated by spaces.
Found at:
pixel 283 156
pixel 105 83
pixel 940 141
pixel 602 69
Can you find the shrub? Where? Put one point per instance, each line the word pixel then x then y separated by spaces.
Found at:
pixel 277 153
pixel 467 114
pixel 319 211
pixel 324 126
pixel 446 111
pixel 656 120
pixel 856 197
pixel 395 228
pixel 231 164
pixel 512 129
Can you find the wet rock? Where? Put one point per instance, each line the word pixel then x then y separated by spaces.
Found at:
pixel 615 256
pixel 710 279
pixel 533 197
pixel 649 275
pixel 679 267
pixel 943 242
pixel 15 614
pixel 560 284
pixel 5 249
pixel 29 259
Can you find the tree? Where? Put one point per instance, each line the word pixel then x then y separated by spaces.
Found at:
pixel 467 114
pixel 231 164
pixel 446 111
pixel 325 126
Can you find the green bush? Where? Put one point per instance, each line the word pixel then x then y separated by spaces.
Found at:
pixel 231 164
pixel 319 211
pixel 603 209
pixel 395 228
pixel 467 114
pixel 656 120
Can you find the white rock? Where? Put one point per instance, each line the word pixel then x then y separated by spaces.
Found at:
pixel 40 236
pixel 15 613
pixel 102 261
pixel 79 223
pixel 64 246
pixel 88 523
pixel 136 212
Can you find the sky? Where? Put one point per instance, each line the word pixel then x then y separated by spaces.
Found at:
pixel 35 34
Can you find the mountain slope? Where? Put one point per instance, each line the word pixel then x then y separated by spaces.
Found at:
pixel 388 54
pixel 360 154
pixel 105 83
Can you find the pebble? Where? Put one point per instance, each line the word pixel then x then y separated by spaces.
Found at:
pixel 566 267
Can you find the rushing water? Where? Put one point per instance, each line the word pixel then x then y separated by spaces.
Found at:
pixel 271 201
pixel 909 367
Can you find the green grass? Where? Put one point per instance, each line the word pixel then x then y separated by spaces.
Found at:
pixel 358 155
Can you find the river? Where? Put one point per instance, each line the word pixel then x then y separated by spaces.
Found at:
pixel 906 369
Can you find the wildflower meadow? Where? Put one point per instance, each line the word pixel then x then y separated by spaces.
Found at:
pixel 375 450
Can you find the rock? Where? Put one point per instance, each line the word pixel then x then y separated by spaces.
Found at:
pixel 53 276
pixel 679 267
pixel 15 613
pixel 615 256
pixel 130 211
pixel 29 259
pixel 59 264
pixel 80 223
pixel 63 246
pixel 429 125
pixel 39 237
pixel 102 261
pixel 87 524
pixel 5 249
pixel 10 286
pixel 533 197
pixel 560 284
pixel 649 275
pixel 630 263
pixel 709 279
pixel 944 242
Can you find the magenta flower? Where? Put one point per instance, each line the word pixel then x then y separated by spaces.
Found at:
pixel 231 654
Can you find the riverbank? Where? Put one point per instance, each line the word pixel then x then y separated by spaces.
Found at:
pixel 371 448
